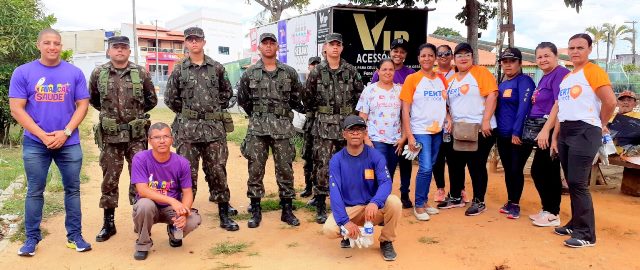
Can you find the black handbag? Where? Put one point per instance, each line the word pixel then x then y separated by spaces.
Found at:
pixel 532 126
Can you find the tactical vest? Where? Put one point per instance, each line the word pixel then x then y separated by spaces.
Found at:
pixel 188 84
pixel 103 83
pixel 264 101
pixel 337 99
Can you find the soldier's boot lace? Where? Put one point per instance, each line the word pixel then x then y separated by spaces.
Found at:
pixel 226 222
pixel 109 227
pixel 256 213
pixel 287 213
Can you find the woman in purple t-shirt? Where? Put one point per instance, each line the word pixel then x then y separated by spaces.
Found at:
pixel 545 169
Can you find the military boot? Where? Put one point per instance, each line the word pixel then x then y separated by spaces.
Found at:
pixel 287 213
pixel 308 189
pixel 109 227
pixel 321 209
pixel 256 213
pixel 232 211
pixel 226 222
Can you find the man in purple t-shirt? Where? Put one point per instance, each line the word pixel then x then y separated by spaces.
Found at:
pixel 163 186
pixel 49 98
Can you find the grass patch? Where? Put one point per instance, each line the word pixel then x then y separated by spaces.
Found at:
pixel 242 216
pixel 15 206
pixel 228 248
pixel 253 254
pixel 428 240
pixel 293 245
pixel 269 205
pixel 230 266
pixel 11 165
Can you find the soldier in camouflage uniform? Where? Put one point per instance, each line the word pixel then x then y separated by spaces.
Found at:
pixel 268 91
pixel 123 92
pixel 198 91
pixel 307 148
pixel 331 93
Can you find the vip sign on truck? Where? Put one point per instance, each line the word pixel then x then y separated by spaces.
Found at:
pixel 367 33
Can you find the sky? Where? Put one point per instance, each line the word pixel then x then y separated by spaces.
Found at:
pixel 536 21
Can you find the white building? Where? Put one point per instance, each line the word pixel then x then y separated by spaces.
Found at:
pixel 89 48
pixel 222 30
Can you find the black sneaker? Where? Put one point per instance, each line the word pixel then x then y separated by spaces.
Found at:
pixel 577 243
pixel 345 243
pixel 477 207
pixel 406 202
pixel 140 255
pixel 173 242
pixel 388 253
pixel 563 231
pixel 449 203
pixel 505 208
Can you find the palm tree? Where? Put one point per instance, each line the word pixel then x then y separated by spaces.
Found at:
pixel 616 33
pixel 599 35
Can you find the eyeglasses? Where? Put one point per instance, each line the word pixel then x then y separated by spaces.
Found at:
pixel 463 55
pixel 161 138
pixel 444 54
pixel 356 130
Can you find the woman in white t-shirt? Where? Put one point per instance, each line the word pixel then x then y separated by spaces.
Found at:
pixel 424 110
pixel 585 104
pixel 379 105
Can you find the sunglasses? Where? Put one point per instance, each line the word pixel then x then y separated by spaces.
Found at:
pixel 444 54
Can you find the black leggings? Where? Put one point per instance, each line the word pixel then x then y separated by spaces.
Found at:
pixel 477 163
pixel 513 158
pixel 438 169
pixel 545 172
pixel 578 144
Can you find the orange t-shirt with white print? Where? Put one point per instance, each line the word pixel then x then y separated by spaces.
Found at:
pixel 467 95
pixel 428 99
pixel 577 100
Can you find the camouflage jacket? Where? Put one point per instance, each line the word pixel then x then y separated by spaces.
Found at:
pixel 121 96
pixel 268 98
pixel 198 94
pixel 331 95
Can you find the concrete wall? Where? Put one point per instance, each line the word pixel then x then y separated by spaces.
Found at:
pixel 86 41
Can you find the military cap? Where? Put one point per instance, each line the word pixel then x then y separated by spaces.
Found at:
pixel 333 37
pixel 118 40
pixel 194 31
pixel 264 36
pixel 352 121
pixel 314 60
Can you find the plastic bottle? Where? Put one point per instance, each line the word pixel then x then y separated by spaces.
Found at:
pixel 177 233
pixel 368 233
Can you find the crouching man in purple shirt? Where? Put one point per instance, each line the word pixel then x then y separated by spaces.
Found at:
pixel 360 190
pixel 163 186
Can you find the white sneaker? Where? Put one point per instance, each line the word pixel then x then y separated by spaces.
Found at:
pixel 535 216
pixel 547 220
pixel 432 211
pixel 421 216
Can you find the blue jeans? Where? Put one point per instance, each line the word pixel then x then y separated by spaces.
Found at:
pixel 389 153
pixel 37 160
pixel 426 159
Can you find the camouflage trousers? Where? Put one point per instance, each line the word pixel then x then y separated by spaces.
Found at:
pixel 307 156
pixel 214 164
pixel 256 150
pixel 112 161
pixel 323 150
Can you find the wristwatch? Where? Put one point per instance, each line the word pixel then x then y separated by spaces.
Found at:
pixel 67 132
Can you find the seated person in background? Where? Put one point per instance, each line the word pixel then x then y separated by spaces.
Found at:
pixel 163 186
pixel 360 190
pixel 627 102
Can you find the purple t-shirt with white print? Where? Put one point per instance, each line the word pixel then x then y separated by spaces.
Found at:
pixel 398 76
pixel 51 93
pixel 546 93
pixel 167 178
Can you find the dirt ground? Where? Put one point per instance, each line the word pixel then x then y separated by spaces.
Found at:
pixel 449 240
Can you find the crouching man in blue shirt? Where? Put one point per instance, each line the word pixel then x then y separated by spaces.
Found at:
pixel 360 190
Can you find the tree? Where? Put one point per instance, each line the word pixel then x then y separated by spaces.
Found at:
pixel 599 35
pixel 20 23
pixel 615 32
pixel 446 32
pixel 67 55
pixel 275 7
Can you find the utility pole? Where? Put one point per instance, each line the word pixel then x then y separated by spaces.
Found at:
pixel 157 54
pixel 633 41
pixel 606 67
pixel 135 35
